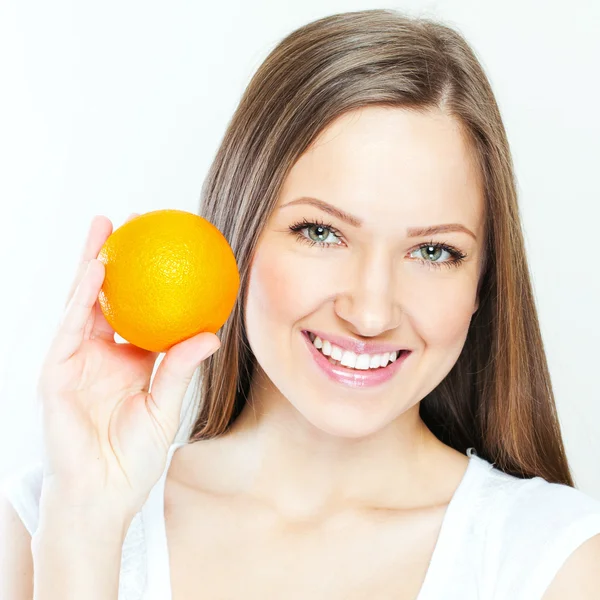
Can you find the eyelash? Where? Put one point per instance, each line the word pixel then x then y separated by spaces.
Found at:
pixel 457 256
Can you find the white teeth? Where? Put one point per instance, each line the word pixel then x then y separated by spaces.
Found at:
pixel 350 359
pixel 362 362
pixel 336 353
pixel 374 364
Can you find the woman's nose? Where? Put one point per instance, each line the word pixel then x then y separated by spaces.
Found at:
pixel 370 300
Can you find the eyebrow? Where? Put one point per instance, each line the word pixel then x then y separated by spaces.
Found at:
pixel 357 222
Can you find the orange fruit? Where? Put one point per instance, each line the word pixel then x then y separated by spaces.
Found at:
pixel 169 275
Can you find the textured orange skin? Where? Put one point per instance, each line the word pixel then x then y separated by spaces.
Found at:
pixel 170 274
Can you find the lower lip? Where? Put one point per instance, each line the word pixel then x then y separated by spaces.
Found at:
pixel 355 377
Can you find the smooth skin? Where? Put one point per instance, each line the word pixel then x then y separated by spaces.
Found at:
pixel 106 437
pixel 97 392
pixel 312 470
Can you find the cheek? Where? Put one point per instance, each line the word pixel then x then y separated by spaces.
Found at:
pixel 280 288
pixel 443 319
pixel 441 322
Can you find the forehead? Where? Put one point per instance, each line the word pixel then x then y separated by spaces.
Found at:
pixel 387 163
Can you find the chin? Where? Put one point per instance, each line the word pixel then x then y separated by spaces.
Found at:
pixel 344 420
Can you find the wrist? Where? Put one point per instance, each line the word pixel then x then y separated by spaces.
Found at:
pixel 76 555
pixel 100 519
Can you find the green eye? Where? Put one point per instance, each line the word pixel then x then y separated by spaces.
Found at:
pixel 321 233
pixel 317 233
pixel 431 252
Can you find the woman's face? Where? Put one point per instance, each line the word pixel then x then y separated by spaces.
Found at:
pixel 396 172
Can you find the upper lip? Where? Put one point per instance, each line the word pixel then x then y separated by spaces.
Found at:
pixel 357 346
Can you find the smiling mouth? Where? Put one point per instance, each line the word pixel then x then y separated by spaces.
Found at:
pixel 337 363
pixel 367 365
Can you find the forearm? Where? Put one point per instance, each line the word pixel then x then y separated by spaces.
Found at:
pixel 76 554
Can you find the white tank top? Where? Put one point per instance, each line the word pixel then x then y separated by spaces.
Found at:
pixel 502 537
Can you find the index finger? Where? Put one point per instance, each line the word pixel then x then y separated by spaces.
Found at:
pixel 100 229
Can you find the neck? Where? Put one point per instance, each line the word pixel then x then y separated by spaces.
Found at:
pixel 304 472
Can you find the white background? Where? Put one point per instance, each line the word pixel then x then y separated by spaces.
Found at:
pixel 118 107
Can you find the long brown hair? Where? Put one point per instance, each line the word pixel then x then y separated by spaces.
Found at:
pixel 498 397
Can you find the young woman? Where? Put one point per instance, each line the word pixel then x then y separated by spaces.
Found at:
pixel 378 421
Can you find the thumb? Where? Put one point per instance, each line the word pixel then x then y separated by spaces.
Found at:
pixel 176 370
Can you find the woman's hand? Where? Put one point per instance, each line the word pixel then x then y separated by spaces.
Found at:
pixel 106 435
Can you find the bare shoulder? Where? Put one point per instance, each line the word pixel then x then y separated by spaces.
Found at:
pixel 579 576
pixel 447 467
pixel 210 465
pixel 16 563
